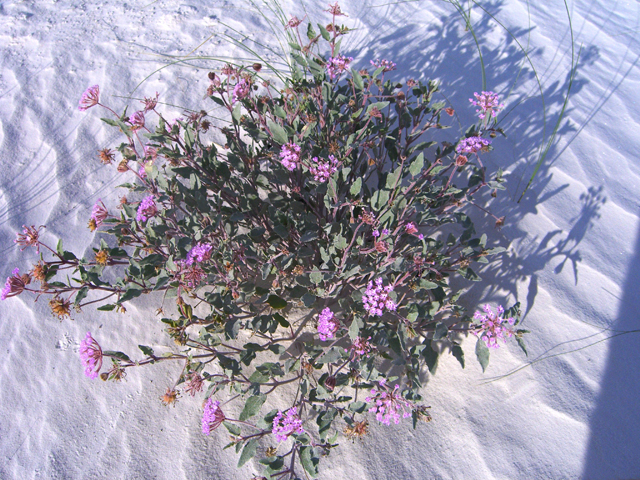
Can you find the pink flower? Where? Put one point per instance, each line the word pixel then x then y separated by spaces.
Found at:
pixel 361 346
pixel 15 284
pixel 290 156
pixel 199 253
pixel 388 404
pixel 99 213
pixel 327 326
pixel 91 356
pixel 146 209
pixel 241 90
pixel 137 120
pixel 376 299
pixel 322 169
pixel 336 65
pixel 90 97
pixel 472 144
pixel 492 327
pixel 285 425
pixel 385 64
pixel 212 416
pixel 488 102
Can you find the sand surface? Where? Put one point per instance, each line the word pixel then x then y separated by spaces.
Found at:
pixel 573 261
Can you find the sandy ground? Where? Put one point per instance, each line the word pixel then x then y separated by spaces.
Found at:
pixel 573 261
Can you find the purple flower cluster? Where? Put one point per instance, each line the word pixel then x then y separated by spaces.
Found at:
pixel 290 156
pixel 286 424
pixel 146 209
pixel 91 356
pixel 493 327
pixel 89 98
pixel 472 145
pixel 387 65
pixel 488 103
pixel 327 326
pixel 376 298
pixel 137 120
pixel 8 285
pixel 212 416
pixel 241 90
pixel 99 213
pixel 337 65
pixel 361 346
pixel 199 253
pixel 322 169
pixel 388 404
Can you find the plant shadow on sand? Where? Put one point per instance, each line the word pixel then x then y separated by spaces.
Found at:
pixel 443 49
pixel 615 423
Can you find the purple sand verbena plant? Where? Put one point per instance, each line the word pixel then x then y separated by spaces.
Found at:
pixel 329 201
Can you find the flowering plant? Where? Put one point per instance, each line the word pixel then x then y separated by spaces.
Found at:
pixel 308 251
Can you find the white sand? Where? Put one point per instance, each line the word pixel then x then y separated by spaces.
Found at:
pixel 574 260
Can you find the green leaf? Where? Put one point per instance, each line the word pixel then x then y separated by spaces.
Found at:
pixel 457 352
pixel 276 302
pixel 309 236
pixel 248 452
pixel 357 79
pixel 311 33
pixel 521 344
pixel 330 356
pixel 356 187
pixel 106 308
pixel 82 293
pixel 431 357
pixel 324 32
pixel 316 277
pixel 130 293
pixel 252 406
pixel 482 352
pixel 119 355
pixel 278 133
pixel 441 331
pixel 59 248
pixel 380 199
pixel 148 351
pixel 416 166
pixel 354 328
pixel 393 177
pixel 309 460
pixel 233 429
pixel 340 242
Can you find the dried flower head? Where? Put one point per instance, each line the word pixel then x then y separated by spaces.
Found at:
pixel 293 22
pixel 59 307
pixel 39 271
pixel 170 397
pixel 102 257
pixel 194 384
pixel 106 156
pixel 358 430
pixel 335 10
pixel 150 103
